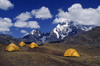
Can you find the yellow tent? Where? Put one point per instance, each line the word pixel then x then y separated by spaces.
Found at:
pixel 71 52
pixel 22 44
pixel 33 45
pixel 12 47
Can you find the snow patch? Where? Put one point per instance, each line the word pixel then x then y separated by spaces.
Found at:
pixel 39 34
pixel 75 24
pixel 25 35
pixel 82 29
pixel 73 32
pixel 61 27
pixel 62 36
pixel 33 31
pixel 56 32
pixel 69 30
pixel 43 38
pixel 86 29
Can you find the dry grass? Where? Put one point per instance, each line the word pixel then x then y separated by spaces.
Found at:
pixel 50 55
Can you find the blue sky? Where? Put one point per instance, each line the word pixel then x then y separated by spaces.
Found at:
pixel 18 17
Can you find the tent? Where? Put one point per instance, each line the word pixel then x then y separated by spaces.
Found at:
pixel 33 45
pixel 71 52
pixel 22 44
pixel 12 47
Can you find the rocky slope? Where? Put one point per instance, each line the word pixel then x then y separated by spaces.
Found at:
pixel 7 39
pixel 89 37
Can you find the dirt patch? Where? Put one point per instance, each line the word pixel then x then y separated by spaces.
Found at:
pixel 45 50
pixel 75 63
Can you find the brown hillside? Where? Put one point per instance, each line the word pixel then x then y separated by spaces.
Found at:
pixel 89 37
pixel 50 55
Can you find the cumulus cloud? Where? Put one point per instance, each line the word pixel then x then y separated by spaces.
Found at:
pixel 86 16
pixel 23 31
pixel 29 24
pixel 5 24
pixel 20 24
pixel 7 32
pixel 5 4
pixel 22 21
pixel 43 13
pixel 23 16
pixel 57 20
pixel 33 24
pixel 17 29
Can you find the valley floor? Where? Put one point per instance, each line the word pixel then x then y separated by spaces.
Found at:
pixel 50 55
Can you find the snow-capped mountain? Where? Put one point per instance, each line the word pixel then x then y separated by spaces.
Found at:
pixel 33 36
pixel 63 29
pixel 58 33
pixel 68 29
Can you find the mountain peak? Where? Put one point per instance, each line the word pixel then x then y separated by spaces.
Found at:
pixel 64 28
pixel 37 30
pixel 33 31
pixel 73 23
pixel 63 23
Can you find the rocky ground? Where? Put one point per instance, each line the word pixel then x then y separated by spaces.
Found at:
pixel 50 55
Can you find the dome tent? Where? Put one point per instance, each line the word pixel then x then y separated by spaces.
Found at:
pixel 71 52
pixel 12 47
pixel 33 45
pixel 22 44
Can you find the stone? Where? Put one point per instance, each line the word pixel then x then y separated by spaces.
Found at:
pixel 89 47
pixel 32 56
pixel 95 64
pixel 98 62
pixel 3 48
pixel 14 57
pixel 97 46
pixel 58 59
pixel 85 61
pixel 96 56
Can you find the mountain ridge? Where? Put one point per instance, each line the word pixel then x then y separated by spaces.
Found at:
pixel 90 37
pixel 58 33
pixel 7 39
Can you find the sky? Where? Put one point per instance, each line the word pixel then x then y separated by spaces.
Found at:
pixel 18 17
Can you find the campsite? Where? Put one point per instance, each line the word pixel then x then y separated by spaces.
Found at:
pixel 50 54
pixel 49 32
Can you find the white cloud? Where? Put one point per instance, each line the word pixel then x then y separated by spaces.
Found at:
pixel 17 29
pixel 23 16
pixel 87 16
pixel 33 24
pixel 43 13
pixel 23 31
pixel 20 24
pixel 57 20
pixel 5 4
pixel 7 32
pixel 29 24
pixel 22 20
pixel 5 24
